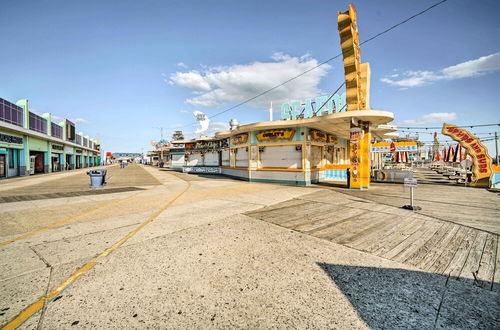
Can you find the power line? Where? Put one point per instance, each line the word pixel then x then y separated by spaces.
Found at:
pixel 322 63
pixel 440 127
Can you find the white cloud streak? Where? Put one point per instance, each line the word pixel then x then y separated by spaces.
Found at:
pixel 431 118
pixel 468 69
pixel 215 86
pixel 182 65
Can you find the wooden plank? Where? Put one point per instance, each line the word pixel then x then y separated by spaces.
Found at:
pixel 324 221
pixel 375 236
pixel 372 226
pixel 443 260
pixel 419 254
pixel 471 265
pixel 347 216
pixel 341 226
pixel 284 214
pixel 367 221
pixel 276 207
pixel 405 247
pixel 487 263
pixel 302 217
pixel 457 263
pixel 394 236
pixel 439 247
pixel 495 285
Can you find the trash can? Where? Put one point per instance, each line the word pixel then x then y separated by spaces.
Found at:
pixel 97 178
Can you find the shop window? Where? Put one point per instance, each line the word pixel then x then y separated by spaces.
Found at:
pixel 11 113
pixel 12 153
pixel 56 130
pixel 37 123
pixel 280 156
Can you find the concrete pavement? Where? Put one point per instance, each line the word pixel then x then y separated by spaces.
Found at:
pixel 202 263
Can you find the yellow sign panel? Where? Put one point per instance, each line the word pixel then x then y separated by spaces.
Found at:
pixel 240 138
pixel 481 161
pixel 275 134
pixel 357 74
pixel 319 136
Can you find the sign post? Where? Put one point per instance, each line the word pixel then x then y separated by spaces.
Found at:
pixel 412 184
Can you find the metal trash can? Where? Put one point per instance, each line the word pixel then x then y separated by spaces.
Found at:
pixel 97 178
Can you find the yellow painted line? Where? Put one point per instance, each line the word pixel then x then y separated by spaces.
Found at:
pixel 38 305
pixel 60 223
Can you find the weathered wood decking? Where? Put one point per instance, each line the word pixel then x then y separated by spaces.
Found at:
pixel 425 242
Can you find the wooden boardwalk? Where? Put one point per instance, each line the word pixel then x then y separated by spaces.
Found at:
pixel 427 243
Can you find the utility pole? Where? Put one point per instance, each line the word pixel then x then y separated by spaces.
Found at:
pixel 496 148
pixel 161 139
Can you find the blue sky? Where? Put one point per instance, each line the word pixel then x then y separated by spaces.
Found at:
pixel 124 67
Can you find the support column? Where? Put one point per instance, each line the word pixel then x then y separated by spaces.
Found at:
pixel 24 159
pixel 360 155
pixel 62 161
pixel 47 162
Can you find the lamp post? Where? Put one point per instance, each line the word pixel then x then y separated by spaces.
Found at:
pixel 161 139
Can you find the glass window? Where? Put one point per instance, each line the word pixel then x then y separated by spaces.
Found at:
pixel 11 157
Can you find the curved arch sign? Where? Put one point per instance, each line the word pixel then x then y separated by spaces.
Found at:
pixel 481 161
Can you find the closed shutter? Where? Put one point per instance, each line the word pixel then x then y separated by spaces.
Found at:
pixel 242 157
pixel 225 157
pixel 194 160
pixel 281 157
pixel 211 159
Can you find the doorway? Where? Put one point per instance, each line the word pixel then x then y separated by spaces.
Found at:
pixel 36 161
pixel 3 166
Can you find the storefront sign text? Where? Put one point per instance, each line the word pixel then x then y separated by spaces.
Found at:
pixel 10 139
pixel 319 136
pixel 310 107
pixel 394 146
pixel 275 134
pixel 240 138
pixel 481 161
pixel 57 147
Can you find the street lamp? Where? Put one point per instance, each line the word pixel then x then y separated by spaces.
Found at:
pixel 161 139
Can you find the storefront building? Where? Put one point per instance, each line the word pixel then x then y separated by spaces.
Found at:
pixel 33 144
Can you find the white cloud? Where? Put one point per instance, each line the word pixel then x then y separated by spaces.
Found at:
pixel 472 68
pixel 192 79
pixel 430 118
pixel 185 111
pixel 237 83
pixel 182 65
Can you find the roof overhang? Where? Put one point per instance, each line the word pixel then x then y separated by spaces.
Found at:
pixel 336 123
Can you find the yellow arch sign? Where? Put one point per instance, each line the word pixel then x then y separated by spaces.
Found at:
pixel 481 161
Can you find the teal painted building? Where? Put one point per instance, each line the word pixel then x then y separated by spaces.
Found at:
pixel 32 143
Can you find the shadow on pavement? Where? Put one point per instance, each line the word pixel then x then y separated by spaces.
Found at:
pixel 392 298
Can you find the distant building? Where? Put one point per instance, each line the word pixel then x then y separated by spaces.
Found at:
pixel 127 154
pixel 32 143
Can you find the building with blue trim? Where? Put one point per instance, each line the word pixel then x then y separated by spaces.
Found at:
pixel 32 143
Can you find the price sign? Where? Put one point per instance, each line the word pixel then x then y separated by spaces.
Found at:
pixel 410 182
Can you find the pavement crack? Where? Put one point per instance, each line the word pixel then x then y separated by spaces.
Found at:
pixel 40 256
pixel 44 308
pixel 441 301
